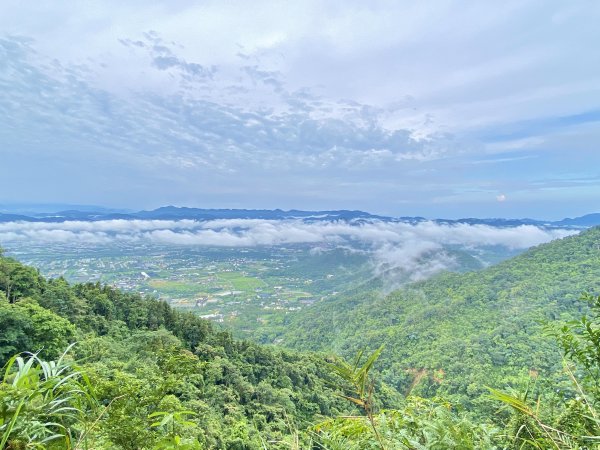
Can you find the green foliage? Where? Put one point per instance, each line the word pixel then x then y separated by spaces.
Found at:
pixel 362 385
pixel 57 295
pixel 43 404
pixel 145 360
pixel 454 334
pixel 358 376
pixel 171 423
pixel 166 379
pixel 419 424
pixel 580 342
pixel 18 281
pixel 576 423
pixel 27 326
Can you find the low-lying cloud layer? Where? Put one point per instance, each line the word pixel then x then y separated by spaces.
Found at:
pixel 414 251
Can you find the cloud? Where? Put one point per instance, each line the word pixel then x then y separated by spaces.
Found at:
pixel 410 261
pixel 399 251
pixel 256 232
pixel 163 58
pixel 207 132
pixel 311 105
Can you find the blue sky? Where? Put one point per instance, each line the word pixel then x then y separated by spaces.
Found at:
pixel 439 108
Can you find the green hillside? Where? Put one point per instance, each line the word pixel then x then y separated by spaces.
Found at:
pixel 143 375
pixel 142 357
pixel 457 333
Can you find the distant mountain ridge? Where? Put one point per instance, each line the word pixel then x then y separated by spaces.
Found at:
pixel 180 213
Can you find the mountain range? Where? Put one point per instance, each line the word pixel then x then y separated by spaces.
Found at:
pixel 91 214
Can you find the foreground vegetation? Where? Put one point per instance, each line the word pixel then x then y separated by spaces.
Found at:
pixel 142 358
pixel 145 376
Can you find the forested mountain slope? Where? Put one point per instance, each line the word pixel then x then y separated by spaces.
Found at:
pixel 142 357
pixel 457 333
pixel 146 376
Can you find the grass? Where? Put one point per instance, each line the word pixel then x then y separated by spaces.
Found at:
pixel 176 287
pixel 239 282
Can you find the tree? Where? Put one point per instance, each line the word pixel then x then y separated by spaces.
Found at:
pixel 18 281
pixel 27 326
pixel 578 424
pixel 7 268
pixel 58 296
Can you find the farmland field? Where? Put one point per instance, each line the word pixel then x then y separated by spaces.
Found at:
pixel 244 289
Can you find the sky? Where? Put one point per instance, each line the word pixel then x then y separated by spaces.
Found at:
pixel 439 108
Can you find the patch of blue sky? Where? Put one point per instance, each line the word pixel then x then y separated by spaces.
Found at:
pixel 538 126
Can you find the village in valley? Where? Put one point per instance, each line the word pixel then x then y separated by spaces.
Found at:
pixel 244 289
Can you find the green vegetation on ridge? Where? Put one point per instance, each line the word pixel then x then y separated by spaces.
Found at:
pixel 143 357
pixel 146 376
pixel 457 333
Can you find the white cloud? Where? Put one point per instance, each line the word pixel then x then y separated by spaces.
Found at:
pixel 461 63
pixel 298 100
pixel 398 250
pixel 252 232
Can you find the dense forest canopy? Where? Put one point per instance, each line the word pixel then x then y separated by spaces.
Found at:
pixel 154 358
pixel 454 348
pixel 465 331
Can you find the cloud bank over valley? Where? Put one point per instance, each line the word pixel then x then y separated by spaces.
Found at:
pixel 398 249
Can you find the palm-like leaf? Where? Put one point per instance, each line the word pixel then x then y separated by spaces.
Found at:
pixel 42 400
